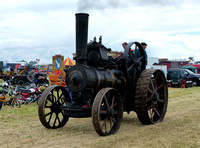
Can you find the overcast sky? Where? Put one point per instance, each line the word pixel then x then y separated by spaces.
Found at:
pixel 31 29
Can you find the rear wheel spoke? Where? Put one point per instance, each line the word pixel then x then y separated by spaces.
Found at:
pixel 159 87
pixel 152 84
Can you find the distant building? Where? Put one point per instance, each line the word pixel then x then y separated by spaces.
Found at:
pixel 173 63
pixel 11 65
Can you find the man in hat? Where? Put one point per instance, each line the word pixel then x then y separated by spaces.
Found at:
pixel 31 75
pixel 144 46
pixel 124 45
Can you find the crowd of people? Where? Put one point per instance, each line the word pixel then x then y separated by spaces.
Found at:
pixel 35 78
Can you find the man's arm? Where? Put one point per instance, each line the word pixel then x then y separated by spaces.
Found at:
pixel 41 77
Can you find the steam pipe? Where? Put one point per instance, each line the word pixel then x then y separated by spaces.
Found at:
pixel 81 38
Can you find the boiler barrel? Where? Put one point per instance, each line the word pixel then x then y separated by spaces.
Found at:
pixel 79 78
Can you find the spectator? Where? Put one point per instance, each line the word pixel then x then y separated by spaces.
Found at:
pixel 39 77
pixel 144 46
pixel 31 75
pixel 124 44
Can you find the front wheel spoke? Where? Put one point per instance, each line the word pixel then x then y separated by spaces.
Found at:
pixel 156 111
pixel 112 101
pixel 102 125
pixel 54 124
pixel 48 113
pixel 106 101
pixel 50 118
pixel 47 106
pixel 58 119
pixel 151 96
pixel 48 98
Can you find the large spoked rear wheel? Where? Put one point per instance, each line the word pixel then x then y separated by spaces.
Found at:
pixel 151 97
pixel 107 111
pixel 50 113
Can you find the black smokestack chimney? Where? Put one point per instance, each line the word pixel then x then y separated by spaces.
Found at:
pixel 81 38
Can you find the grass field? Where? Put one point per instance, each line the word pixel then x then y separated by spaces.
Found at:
pixel 20 127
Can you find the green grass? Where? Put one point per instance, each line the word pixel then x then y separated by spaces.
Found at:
pixel 20 127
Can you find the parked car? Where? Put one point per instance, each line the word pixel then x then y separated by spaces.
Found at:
pixel 179 81
pixel 185 74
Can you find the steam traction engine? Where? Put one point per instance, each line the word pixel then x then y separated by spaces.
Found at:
pixel 103 87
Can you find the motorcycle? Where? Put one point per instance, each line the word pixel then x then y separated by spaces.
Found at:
pixel 30 94
pixel 26 95
pixel 7 96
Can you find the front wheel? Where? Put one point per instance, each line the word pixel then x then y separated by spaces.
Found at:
pixel 107 111
pixel 49 109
